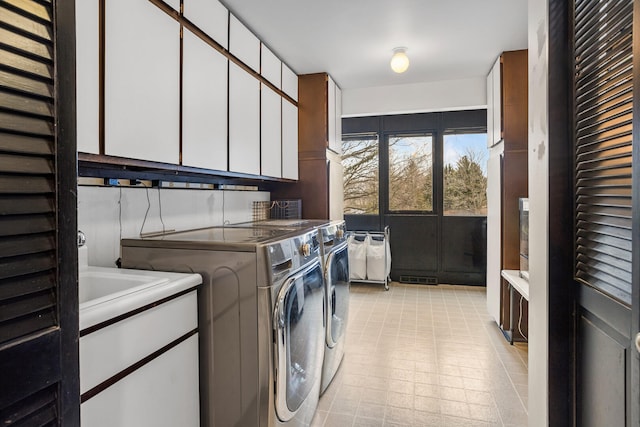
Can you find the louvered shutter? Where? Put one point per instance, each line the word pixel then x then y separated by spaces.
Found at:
pixel 603 124
pixel 31 335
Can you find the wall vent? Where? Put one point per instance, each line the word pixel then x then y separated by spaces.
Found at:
pixel 419 280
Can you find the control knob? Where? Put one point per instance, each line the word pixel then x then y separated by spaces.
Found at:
pixel 305 249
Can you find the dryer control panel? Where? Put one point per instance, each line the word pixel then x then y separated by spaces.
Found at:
pixel 333 234
pixel 306 248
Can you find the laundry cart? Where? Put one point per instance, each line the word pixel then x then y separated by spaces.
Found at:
pixel 370 257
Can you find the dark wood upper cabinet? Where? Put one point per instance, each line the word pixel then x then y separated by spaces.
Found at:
pixel 507 100
pixel 319 163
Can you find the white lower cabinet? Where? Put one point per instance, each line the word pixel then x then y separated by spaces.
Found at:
pixel 244 121
pixel 142 82
pixel 204 105
pixel 270 133
pixel 142 370
pixel 163 392
pixel 289 140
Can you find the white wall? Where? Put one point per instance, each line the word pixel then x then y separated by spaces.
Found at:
pixel 538 213
pixel 100 218
pixel 446 95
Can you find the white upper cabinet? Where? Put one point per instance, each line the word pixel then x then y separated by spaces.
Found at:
pixel 289 82
pixel 271 67
pixel 244 121
pixel 243 44
pixel 331 113
pixel 497 102
pixel 87 76
pixel 204 105
pixel 338 119
pixel 270 133
pixel 289 140
pixel 211 17
pixel 490 108
pixel 175 4
pixel 334 116
pixel 494 104
pixel 142 82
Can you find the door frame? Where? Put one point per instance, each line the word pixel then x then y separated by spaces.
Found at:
pixel 561 339
pixel 436 124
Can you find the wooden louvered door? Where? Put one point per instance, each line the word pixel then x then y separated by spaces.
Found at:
pixel 606 223
pixel 38 256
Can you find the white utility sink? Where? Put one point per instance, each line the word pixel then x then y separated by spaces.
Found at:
pixel 97 286
pixel 105 293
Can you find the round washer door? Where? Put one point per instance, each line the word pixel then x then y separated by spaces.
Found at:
pixel 299 339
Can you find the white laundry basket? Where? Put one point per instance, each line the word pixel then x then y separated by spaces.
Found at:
pixel 378 258
pixel 357 247
pixel 370 257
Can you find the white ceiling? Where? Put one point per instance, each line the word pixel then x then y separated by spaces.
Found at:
pixel 353 40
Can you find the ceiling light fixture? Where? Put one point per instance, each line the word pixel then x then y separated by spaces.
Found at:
pixel 399 60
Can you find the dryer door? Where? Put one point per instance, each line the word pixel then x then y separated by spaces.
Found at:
pixel 299 331
pixel 337 293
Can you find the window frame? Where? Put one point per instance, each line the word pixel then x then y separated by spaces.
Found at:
pixel 387 171
pixel 364 137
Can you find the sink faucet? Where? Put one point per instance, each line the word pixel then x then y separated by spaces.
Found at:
pixel 82 239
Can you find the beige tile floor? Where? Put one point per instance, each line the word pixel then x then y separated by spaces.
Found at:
pixel 425 356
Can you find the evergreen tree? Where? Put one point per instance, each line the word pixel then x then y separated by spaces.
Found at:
pixel 465 187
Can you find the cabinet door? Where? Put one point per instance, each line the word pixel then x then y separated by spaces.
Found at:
pixel 497 102
pixel 289 140
pixel 204 105
pixel 162 392
pixel 270 133
pixel 243 44
pixel 490 108
pixel 211 17
pixel 271 67
pixel 174 4
pixel 331 114
pixel 244 121
pixel 289 82
pixel 87 75
pixel 336 186
pixel 338 146
pixel 142 82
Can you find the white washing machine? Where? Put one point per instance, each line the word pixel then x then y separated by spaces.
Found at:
pixel 335 266
pixel 260 318
pixel 335 256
